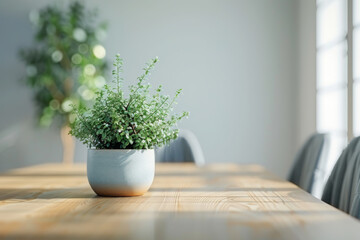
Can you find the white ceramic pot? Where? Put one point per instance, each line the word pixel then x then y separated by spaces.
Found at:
pixel 120 172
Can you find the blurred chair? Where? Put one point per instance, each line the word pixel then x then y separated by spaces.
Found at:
pixel 306 162
pixel 342 188
pixel 186 148
pixel 355 205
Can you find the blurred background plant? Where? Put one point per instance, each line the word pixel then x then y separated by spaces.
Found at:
pixel 66 64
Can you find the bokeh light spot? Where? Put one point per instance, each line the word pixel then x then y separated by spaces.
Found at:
pixel 79 34
pixel 89 70
pixel 99 51
pixel 57 56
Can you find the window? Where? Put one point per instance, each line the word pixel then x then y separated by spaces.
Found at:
pixel 338 80
pixel 356 65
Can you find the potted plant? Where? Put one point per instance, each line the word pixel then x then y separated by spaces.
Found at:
pixel 121 132
pixel 65 66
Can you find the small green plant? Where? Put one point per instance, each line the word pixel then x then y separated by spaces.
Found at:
pixel 141 120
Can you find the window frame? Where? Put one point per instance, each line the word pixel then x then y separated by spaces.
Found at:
pixel 350 81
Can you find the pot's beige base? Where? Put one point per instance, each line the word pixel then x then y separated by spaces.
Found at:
pixel 119 192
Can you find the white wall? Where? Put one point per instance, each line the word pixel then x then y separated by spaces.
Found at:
pixel 306 84
pixel 235 60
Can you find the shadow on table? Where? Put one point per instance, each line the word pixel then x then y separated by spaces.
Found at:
pixel 218 174
pixel 113 222
pixel 156 195
pixel 38 193
pixel 220 189
pixel 62 174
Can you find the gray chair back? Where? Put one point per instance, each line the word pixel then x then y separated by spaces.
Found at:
pixel 306 161
pixel 186 148
pixel 355 205
pixel 342 188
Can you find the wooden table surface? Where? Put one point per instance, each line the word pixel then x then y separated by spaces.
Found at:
pixel 224 201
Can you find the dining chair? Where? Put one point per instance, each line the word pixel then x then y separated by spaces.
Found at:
pixel 186 148
pixel 306 162
pixel 355 206
pixel 342 188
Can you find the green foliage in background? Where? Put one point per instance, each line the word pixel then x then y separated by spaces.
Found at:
pixel 140 121
pixel 66 64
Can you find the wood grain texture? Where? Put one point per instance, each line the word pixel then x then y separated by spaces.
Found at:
pixel 221 201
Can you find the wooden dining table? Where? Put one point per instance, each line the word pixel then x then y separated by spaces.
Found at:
pixel 217 201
